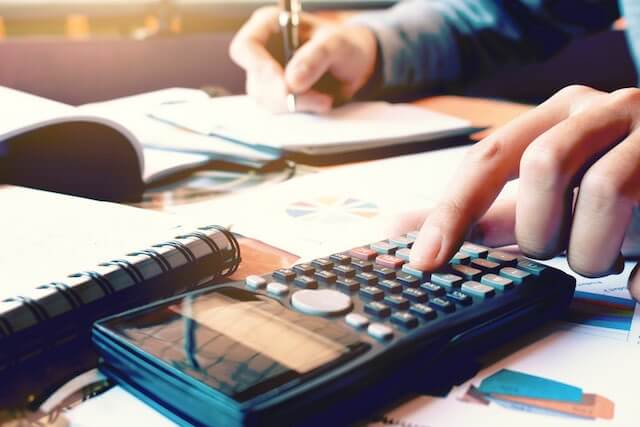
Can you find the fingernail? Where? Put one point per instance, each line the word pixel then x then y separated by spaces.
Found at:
pixel 427 247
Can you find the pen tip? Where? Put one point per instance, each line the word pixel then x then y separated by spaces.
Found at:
pixel 291 103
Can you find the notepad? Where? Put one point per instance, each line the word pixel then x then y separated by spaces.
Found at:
pixel 352 127
pixel 67 260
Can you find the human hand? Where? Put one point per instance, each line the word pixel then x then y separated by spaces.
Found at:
pixel 347 53
pixel 578 159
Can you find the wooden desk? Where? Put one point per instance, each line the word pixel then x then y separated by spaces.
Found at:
pixel 260 258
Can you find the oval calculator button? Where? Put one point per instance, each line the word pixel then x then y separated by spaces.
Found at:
pixel 322 302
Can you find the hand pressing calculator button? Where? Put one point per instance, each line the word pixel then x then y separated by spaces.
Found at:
pixel 321 302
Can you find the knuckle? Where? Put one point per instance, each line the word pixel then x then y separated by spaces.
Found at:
pixel 485 151
pixel 603 188
pixel 265 13
pixel 575 91
pixel 626 97
pixel 543 165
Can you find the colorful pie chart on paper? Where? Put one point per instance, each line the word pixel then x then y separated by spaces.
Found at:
pixel 333 209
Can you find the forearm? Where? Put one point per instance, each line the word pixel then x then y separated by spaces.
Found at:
pixel 430 46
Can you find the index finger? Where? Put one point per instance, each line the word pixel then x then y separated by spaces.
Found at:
pixel 488 166
pixel 248 47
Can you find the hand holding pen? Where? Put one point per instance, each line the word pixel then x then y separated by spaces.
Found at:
pixel 345 52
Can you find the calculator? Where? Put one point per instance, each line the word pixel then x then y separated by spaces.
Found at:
pixel 328 342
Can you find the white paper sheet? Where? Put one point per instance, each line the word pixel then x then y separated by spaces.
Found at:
pixel 65 233
pixel 594 364
pixel 374 123
pixel 131 112
pixel 336 209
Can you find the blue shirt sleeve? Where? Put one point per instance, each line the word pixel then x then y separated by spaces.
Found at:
pixel 431 46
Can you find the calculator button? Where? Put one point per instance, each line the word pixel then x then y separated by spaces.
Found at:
pixel 322 264
pixel 380 332
pixel 442 304
pixel 340 259
pixel 504 258
pixel 460 298
pixel 404 254
pixel 497 282
pixel 397 302
pixel 367 279
pixel 406 320
pixel 357 321
pixel 467 272
pixel 304 269
pixel 518 276
pixel 478 289
pixel 415 295
pixel 403 241
pixel 326 277
pixel 531 267
pixel 433 289
pixel 371 293
pixel 344 271
pixel 420 274
pixel 255 282
pixel 407 280
pixel 277 289
pixel 389 261
pixel 384 248
pixel 423 311
pixel 377 309
pixel 347 285
pixel 476 251
pixel 323 302
pixel 284 275
pixel 413 234
pixel 485 265
pixel 305 282
pixel 460 258
pixel 364 254
pixel 390 286
pixel 384 272
pixel 449 281
pixel 361 265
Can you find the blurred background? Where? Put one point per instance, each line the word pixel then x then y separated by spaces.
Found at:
pixel 79 51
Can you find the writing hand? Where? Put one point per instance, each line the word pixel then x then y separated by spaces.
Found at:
pixel 347 53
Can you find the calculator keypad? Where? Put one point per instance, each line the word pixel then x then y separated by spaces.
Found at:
pixel 382 291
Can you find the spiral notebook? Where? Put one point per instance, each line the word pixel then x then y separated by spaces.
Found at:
pixel 66 261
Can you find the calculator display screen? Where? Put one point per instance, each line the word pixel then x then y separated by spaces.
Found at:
pixel 237 342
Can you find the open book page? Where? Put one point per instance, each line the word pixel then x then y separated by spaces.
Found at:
pixel 47 236
pixel 132 111
pixel 374 123
pixel 22 112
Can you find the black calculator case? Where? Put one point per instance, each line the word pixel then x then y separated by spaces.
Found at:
pixel 425 360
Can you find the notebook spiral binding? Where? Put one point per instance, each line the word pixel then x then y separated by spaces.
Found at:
pixel 225 251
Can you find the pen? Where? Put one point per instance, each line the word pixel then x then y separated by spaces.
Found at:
pixel 289 21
